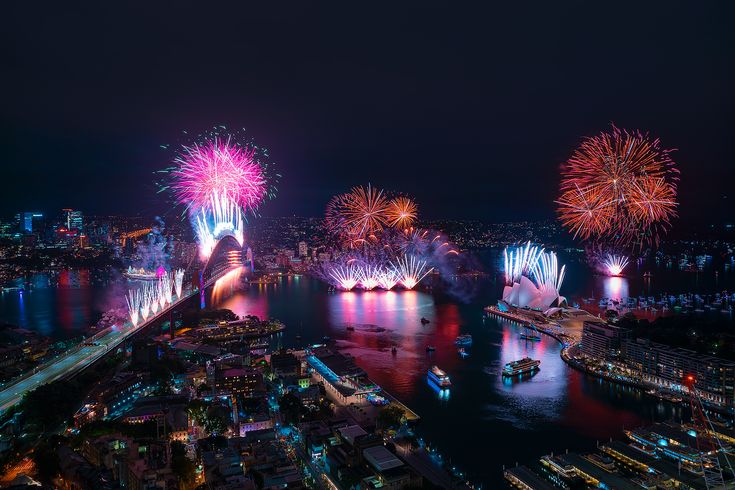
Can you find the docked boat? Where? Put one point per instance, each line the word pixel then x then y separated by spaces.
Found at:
pixel 439 377
pixel 522 366
pixel 465 339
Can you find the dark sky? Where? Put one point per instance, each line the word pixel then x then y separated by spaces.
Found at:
pixel 468 108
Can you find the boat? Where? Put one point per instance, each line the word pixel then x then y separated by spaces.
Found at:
pixel 465 339
pixel 350 328
pixel 530 336
pixel 521 366
pixel 663 395
pixel 430 348
pixel 140 274
pixel 393 350
pixel 439 377
pixel 424 321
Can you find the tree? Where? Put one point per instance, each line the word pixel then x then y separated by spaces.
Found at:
pixel 390 417
pixel 181 465
pixel 46 458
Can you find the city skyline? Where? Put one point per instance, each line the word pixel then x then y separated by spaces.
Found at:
pixel 465 113
pixel 253 248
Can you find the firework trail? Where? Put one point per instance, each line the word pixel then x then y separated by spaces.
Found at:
pixel 145 303
pixel 614 264
pixel 520 261
pixel 387 278
pixel 346 277
pixel 178 282
pixel 133 300
pixel 546 272
pixel 618 186
pixel 369 277
pixel 411 270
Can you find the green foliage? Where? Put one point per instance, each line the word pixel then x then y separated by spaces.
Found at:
pixel 182 466
pixel 390 417
pixel 51 404
pixel 291 408
pixel 214 418
pixel 104 427
pixel 46 458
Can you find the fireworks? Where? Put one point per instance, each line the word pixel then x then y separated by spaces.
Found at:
pixel 618 186
pixel 357 215
pixel 401 213
pixel 369 277
pixel 219 179
pixel 133 300
pixel 614 264
pixel 152 296
pixel 376 244
pixel 178 282
pixel 387 278
pixel 411 270
pixel 345 277
pixel 533 277
pixel 547 274
pixel 219 166
pixel 221 218
pixel 407 270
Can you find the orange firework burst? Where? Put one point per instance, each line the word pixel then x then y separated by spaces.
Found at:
pixel 359 214
pixel 618 186
pixel 401 213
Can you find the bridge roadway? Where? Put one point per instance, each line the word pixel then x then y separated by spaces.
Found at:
pixel 84 355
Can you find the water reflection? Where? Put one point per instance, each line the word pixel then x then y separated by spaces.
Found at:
pixel 554 409
pixel 615 287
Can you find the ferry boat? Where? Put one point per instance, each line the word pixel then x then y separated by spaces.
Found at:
pixel 522 366
pixel 140 274
pixel 465 339
pixel 530 334
pixel 439 377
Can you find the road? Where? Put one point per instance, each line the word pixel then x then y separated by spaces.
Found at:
pixel 82 356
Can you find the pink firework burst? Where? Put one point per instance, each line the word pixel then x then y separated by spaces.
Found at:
pixel 219 167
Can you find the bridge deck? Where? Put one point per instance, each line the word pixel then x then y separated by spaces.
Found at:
pixel 80 357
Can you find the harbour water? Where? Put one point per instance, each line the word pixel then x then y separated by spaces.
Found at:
pixel 484 421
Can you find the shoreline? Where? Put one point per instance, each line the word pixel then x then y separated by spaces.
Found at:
pixel 568 343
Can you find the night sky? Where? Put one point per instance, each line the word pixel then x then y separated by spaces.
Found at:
pixel 468 109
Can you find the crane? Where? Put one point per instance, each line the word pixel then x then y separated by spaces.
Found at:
pixel 708 445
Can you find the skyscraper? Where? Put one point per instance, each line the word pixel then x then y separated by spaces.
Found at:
pixel 74 219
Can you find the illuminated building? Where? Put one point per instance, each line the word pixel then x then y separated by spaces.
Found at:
pixel 602 341
pixel 303 249
pixel 658 364
pixel 667 366
pixel 238 381
pixel 74 220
